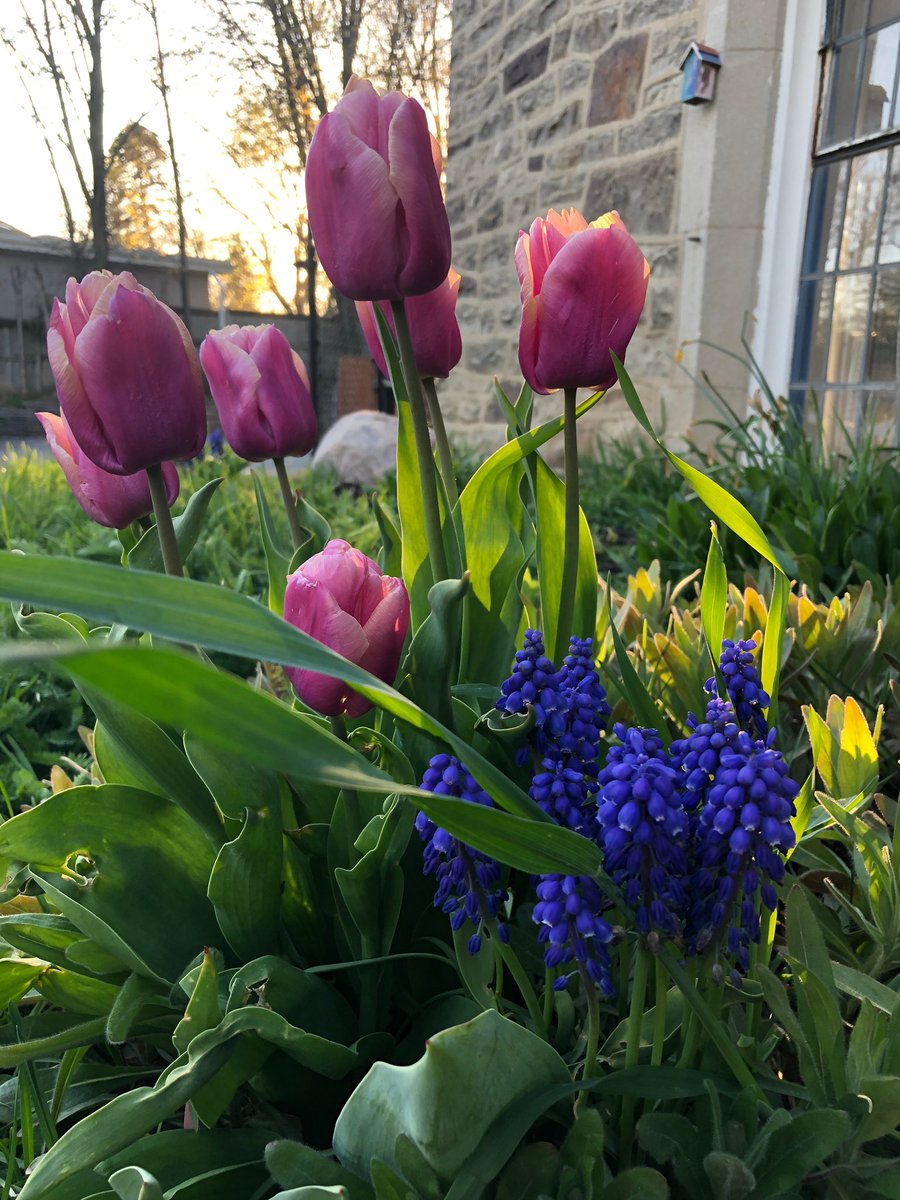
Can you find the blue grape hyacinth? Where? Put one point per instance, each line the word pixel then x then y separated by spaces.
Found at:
pixel 534 680
pixel 643 828
pixel 568 911
pixel 468 881
pixel 743 832
pixel 743 685
pixel 697 756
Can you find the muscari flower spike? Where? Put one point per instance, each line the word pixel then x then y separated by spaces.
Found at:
pixel 534 680
pixel 743 685
pixel 468 881
pixel 697 756
pixel 568 911
pixel 743 832
pixel 642 829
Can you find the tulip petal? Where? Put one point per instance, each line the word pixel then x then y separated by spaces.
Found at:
pixel 591 301
pixel 282 398
pixel 386 630
pixel 424 226
pixel 343 175
pixel 365 310
pixel 145 391
pixel 234 382
pixel 75 405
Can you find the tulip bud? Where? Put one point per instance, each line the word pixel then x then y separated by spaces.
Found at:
pixel 126 374
pixel 111 500
pixel 374 197
pixel 261 390
pixel 341 598
pixel 583 289
pixel 433 328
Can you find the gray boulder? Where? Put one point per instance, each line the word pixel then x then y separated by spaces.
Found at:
pixel 360 448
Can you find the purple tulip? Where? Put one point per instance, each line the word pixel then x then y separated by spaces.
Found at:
pixel 341 598
pixel 433 327
pixel 374 197
pixel 111 500
pixel 261 390
pixel 583 289
pixel 126 374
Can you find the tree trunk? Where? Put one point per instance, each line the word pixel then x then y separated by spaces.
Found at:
pixel 312 264
pixel 176 175
pixel 98 155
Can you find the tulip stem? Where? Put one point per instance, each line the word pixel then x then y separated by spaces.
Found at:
pixel 165 530
pixel 445 455
pixel 566 617
pixel 290 503
pixel 430 502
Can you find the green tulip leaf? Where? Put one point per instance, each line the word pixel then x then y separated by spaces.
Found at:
pixel 278 561
pixel 147 556
pixel 413 1100
pixel 111 852
pixel 245 885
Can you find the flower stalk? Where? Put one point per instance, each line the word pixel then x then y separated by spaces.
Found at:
pixel 290 503
pixel 570 550
pixel 165 529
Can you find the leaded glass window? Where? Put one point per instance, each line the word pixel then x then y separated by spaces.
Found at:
pixel 846 353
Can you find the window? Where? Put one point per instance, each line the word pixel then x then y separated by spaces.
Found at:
pixel 846 345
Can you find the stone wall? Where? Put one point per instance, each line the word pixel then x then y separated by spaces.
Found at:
pixel 556 103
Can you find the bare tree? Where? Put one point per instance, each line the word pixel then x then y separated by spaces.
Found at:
pixel 66 38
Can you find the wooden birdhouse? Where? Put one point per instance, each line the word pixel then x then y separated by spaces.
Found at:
pixel 699 69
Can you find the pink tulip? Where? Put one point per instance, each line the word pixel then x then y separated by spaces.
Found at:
pixel 111 500
pixel 126 374
pixel 433 327
pixel 583 288
pixel 374 197
pixel 261 390
pixel 341 598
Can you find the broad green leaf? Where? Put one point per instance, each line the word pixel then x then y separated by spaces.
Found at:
pixel 134 751
pixel 189 612
pixel 637 1183
pixel 537 847
pixel 203 1009
pixel 433 656
pixel 76 992
pixel 315 525
pixel 147 555
pixel 245 885
pixel 133 997
pixel 134 1183
pixel 714 596
pixel 234 783
pixel 294 1165
pixel 533 1171
pixel 798 1147
pixel 720 502
pixel 731 1178
pixel 770 663
pixel 127 1117
pixel 390 555
pixel 131 849
pixel 414 1100
pixel 550 497
pixel 82 1033
pixel 278 561
pixel 177 1157
pixel 863 987
pixel 16 977
pixel 805 939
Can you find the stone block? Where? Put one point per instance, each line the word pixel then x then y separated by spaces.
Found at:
pixel 665 92
pixel 560 46
pixel 491 215
pixel 641 13
pixel 596 31
pixel 662 305
pixel 668 46
pixel 536 162
pixel 642 189
pixel 616 85
pixel 651 130
pixel 574 75
pixel 663 259
pixel 559 126
pixel 530 64
pixel 484 356
pixel 535 99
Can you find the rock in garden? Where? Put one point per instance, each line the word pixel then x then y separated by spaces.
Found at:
pixel 361 448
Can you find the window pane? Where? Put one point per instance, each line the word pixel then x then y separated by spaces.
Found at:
pixel 884 10
pixel 890 230
pixel 864 197
pixel 813 315
pixel 879 69
pixel 840 417
pixel 882 359
pixel 826 208
pixel 848 328
pixel 842 106
pixel 853 16
pixel 879 418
